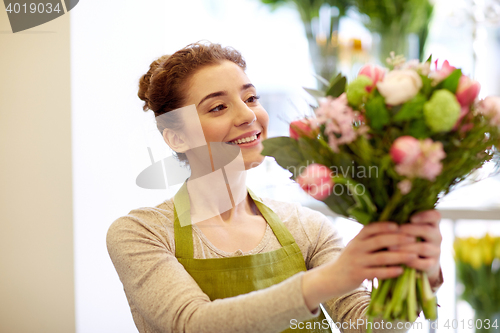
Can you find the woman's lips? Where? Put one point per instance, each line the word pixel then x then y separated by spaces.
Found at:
pixel 248 144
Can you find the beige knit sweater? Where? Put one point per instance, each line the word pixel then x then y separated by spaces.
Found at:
pixel 164 298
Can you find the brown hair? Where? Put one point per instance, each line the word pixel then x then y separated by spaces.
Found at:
pixel 163 87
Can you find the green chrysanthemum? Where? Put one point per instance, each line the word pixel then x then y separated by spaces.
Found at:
pixel 356 90
pixel 441 112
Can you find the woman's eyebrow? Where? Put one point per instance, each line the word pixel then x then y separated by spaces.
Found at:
pixel 246 86
pixel 212 95
pixel 224 93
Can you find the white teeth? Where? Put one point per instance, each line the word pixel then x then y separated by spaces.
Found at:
pixel 244 140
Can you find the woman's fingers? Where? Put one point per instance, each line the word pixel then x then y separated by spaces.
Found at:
pixel 383 272
pixel 377 228
pixel 427 232
pixel 383 241
pixel 387 258
pixel 422 249
pixel 426 217
pixel 424 264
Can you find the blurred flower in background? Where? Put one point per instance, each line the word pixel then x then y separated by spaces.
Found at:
pixel 478 270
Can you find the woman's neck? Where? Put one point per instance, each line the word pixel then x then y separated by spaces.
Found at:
pixel 220 196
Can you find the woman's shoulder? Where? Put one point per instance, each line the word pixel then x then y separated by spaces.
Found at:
pixel 303 222
pixel 161 214
pixel 144 223
pixel 295 211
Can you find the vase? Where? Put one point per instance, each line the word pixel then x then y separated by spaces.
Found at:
pixel 396 40
pixel 324 50
pixel 486 322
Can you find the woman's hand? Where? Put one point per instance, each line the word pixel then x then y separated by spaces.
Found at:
pixel 426 226
pixel 361 259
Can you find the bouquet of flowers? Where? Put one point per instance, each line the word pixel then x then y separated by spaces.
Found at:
pixel 478 270
pixel 387 145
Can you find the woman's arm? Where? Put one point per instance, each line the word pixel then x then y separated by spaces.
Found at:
pixel 351 307
pixel 164 298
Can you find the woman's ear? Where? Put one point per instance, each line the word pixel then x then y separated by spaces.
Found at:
pixel 175 141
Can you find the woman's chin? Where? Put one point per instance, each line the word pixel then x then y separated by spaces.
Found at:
pixel 254 162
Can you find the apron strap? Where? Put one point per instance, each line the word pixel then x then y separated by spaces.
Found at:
pixel 183 235
pixel 282 233
pixel 183 230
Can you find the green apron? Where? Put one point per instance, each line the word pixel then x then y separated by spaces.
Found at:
pixel 229 277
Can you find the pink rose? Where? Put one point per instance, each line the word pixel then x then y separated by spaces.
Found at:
pixel 467 91
pixel 317 181
pixel 445 71
pixel 303 127
pixel 417 159
pixel 431 165
pixel 430 170
pixel 432 150
pixel 405 149
pixel 375 73
pixel 490 108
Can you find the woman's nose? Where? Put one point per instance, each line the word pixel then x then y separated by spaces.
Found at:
pixel 245 115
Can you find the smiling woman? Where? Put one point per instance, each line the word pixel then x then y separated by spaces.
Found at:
pixel 218 258
pixel 229 109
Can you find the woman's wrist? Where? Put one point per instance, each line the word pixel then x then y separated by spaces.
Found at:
pixel 316 287
pixel 436 280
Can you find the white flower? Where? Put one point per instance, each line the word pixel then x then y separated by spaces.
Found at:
pixel 399 86
pixel 423 68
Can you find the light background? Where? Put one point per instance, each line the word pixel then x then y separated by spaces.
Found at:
pixel 60 199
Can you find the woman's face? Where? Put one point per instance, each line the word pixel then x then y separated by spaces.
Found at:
pixel 229 110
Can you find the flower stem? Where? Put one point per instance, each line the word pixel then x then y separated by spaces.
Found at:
pixel 427 297
pixel 391 205
pixel 412 297
pixel 377 303
pixel 395 307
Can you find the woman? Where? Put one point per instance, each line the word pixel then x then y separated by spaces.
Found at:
pixel 217 258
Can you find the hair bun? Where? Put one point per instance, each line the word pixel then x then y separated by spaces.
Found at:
pixel 145 81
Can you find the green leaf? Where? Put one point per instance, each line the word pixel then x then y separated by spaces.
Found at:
pixel 451 82
pixel 317 94
pixel 419 129
pixel 429 60
pixel 321 79
pixel 377 113
pixel 285 151
pixel 337 86
pixel 360 215
pixel 311 151
pixel 412 109
pixel 362 148
pixel 426 86
pixel 363 201
pixel 339 203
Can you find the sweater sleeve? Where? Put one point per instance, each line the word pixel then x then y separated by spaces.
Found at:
pixel 347 311
pixel 165 298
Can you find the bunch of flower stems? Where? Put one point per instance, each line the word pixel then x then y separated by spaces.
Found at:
pixel 398 298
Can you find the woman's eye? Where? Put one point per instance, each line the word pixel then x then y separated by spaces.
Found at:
pixel 218 108
pixel 252 99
